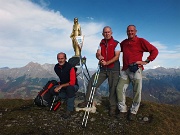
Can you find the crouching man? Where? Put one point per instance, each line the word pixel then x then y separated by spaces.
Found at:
pixel 68 85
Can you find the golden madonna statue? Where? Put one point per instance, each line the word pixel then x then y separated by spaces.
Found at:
pixel 76 31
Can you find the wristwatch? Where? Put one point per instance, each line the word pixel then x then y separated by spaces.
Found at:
pixel 147 61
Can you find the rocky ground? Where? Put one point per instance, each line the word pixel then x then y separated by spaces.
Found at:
pixel 22 117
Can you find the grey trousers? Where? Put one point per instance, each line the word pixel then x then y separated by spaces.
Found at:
pixel 113 77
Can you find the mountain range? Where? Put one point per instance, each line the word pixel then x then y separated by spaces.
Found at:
pixel 160 85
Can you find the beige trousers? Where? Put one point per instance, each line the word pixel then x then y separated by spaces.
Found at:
pixel 125 78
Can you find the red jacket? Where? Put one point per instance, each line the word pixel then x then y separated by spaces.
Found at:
pixel 133 51
pixel 108 52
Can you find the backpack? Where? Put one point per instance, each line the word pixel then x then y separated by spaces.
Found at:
pixel 44 97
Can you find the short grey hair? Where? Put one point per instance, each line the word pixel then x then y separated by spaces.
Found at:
pixel 63 54
pixel 107 27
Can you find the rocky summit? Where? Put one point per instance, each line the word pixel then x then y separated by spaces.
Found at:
pixel 22 117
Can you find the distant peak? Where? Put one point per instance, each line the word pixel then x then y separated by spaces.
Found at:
pixel 31 64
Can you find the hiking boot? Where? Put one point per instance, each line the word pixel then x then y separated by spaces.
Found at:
pixel 67 114
pixel 131 117
pixel 83 104
pixel 122 115
pixel 112 111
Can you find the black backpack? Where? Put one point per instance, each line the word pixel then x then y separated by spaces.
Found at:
pixel 44 97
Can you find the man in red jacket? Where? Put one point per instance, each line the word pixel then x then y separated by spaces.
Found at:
pixel 133 49
pixel 108 55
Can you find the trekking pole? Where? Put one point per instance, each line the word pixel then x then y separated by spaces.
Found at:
pixel 52 103
pixel 90 101
pixel 87 72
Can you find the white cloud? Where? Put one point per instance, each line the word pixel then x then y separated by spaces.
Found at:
pixel 90 18
pixel 29 32
pixel 32 32
pixel 167 57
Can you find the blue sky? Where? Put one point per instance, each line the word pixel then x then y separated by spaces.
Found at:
pixel 36 30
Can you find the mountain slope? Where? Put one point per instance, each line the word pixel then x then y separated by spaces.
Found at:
pixel 29 119
pixel 159 85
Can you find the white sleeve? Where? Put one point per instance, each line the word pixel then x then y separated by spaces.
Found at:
pixel 118 47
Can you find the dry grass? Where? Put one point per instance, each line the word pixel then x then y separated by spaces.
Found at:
pixel 21 117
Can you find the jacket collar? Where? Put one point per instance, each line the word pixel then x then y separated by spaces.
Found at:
pixel 134 39
pixel 108 40
pixel 62 66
